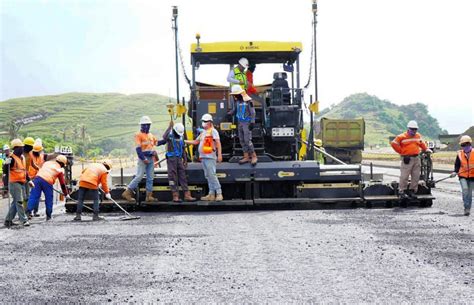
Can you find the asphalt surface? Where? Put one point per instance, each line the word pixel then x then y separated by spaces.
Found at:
pixel 337 255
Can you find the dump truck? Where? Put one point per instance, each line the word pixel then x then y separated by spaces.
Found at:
pixel 343 138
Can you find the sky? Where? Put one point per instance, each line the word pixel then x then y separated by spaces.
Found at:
pixel 404 51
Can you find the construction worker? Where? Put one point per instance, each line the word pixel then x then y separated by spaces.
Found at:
pixel 176 161
pixel 319 156
pixel 29 142
pixel 408 145
pixel 37 159
pixel 464 169
pixel 93 176
pixel 43 183
pixel 4 162
pixel 245 114
pixel 209 142
pixel 145 147
pixel 249 75
pixel 17 179
pixel 237 76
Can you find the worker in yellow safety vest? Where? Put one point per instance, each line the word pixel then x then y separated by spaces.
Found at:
pixel 237 74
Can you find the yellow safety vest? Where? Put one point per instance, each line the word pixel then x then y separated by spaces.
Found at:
pixel 240 76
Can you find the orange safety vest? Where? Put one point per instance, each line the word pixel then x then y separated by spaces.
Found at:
pixel 93 174
pixel 208 145
pixel 467 166
pixel 50 171
pixel 18 171
pixel 146 141
pixel 38 161
pixel 406 145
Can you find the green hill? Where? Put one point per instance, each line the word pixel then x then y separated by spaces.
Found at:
pixel 109 119
pixel 383 118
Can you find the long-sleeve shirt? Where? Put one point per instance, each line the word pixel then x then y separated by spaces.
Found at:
pixel 407 145
pixel 457 166
pixel 231 78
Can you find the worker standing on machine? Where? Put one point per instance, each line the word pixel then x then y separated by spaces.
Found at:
pixel 408 145
pixel 93 176
pixel 17 179
pixel 245 113
pixel 145 147
pixel 237 76
pixel 464 169
pixel 176 161
pixel 249 75
pixel 43 183
pixel 319 156
pixel 209 142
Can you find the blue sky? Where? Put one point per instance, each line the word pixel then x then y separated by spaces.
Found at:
pixel 405 51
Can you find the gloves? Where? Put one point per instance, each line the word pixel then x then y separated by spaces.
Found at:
pixel 406 160
pixel 68 197
pixel 251 126
pixel 453 175
pixel 429 151
pixel 31 184
pixel 108 196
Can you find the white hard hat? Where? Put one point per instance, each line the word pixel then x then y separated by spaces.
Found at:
pixel 179 128
pixel 244 62
pixel 206 117
pixel 145 120
pixel 236 89
pixel 6 147
pixel 38 141
pixel 465 139
pixel 412 124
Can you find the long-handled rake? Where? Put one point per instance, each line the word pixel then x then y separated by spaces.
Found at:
pixel 61 193
pixel 129 216
pixel 448 177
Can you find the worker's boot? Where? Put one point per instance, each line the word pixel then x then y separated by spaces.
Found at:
pixel 219 197
pixel 210 197
pixel 467 212
pixel 412 194
pixel 8 223
pixel 150 198
pixel 188 197
pixel 96 217
pixel 78 217
pixel 254 159
pixel 176 197
pixel 245 159
pixel 128 195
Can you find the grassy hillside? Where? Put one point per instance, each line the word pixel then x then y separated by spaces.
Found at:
pixel 110 119
pixel 383 118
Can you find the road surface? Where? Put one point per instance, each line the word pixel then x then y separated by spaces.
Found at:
pixel 335 255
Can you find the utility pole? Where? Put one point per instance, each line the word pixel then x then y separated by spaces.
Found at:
pixel 313 107
pixel 315 14
pixel 175 28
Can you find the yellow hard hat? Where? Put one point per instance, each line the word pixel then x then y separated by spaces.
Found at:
pixel 37 147
pixel 108 163
pixel 318 142
pixel 62 159
pixel 465 139
pixel 29 141
pixel 16 143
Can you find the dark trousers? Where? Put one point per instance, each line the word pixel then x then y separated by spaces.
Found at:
pixel 176 174
pixel 80 199
pixel 245 137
